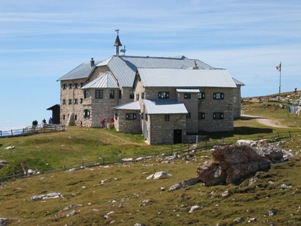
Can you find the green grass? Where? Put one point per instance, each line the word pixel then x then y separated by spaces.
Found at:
pixel 126 188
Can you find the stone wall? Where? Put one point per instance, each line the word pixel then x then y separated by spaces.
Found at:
pixel 237 102
pixel 161 131
pixel 127 126
pixel 76 108
pixel 210 106
pixel 192 108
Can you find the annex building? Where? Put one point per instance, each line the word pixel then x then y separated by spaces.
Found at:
pixel 164 98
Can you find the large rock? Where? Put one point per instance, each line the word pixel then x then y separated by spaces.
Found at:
pixel 232 164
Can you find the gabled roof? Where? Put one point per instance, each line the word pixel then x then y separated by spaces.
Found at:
pixel 81 71
pixel 130 106
pixel 239 83
pixel 104 81
pixel 159 106
pixel 182 78
pixel 124 67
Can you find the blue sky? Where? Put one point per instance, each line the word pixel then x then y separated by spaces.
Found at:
pixel 42 40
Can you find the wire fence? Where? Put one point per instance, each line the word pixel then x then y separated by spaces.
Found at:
pixel 179 149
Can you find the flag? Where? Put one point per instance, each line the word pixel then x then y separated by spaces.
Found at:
pixel 278 67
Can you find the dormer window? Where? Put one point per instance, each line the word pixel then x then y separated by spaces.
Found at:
pixel 163 95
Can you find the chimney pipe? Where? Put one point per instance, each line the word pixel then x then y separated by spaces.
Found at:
pixel 92 62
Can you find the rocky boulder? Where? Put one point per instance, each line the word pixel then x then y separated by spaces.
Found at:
pixel 232 164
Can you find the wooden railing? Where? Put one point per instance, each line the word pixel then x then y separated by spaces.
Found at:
pixel 29 130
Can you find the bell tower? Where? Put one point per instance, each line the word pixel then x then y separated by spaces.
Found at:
pixel 117 42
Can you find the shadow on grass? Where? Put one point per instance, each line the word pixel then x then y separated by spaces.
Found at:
pixel 241 130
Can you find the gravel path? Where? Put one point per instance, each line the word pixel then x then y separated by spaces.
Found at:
pixel 264 121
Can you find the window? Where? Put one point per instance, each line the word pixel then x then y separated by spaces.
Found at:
pixel 218 96
pixel 119 94
pixel 75 117
pixel 81 84
pixel 86 113
pixel 218 115
pixel 70 101
pixel 166 117
pixel 75 86
pixel 201 95
pixel 85 94
pixel 131 94
pixel 98 94
pixel 142 115
pixel 163 95
pixel 70 85
pixel 130 116
pixel 188 115
pixel 64 117
pixel 146 117
pixel 201 115
pixel 75 101
pixel 187 96
pixel 137 96
pixel 81 100
pixel 112 94
pixel 142 95
pixel 64 101
pixel 64 86
pixel 115 115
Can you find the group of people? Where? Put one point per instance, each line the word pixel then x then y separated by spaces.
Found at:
pixel 44 122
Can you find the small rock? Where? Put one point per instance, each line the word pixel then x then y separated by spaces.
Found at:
pixel 73 212
pixel 238 220
pixel 9 148
pixel 193 208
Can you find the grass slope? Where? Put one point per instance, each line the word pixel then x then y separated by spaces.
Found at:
pixel 126 194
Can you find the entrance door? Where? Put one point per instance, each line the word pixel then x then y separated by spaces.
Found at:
pixel 177 136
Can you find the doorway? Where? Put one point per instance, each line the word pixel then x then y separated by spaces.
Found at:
pixel 177 136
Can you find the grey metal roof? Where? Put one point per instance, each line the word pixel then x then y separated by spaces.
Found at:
pixel 81 71
pixel 182 78
pixel 130 106
pixel 159 106
pixel 104 81
pixel 239 83
pixel 188 90
pixel 124 67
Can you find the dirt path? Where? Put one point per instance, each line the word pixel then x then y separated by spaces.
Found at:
pixel 264 121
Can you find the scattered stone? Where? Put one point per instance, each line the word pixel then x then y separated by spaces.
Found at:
pixel 71 206
pixel 247 142
pixel 159 175
pixel 138 224
pixel 73 212
pixel 193 208
pixel 108 214
pixel 53 195
pixel 127 160
pixel 284 186
pixel 140 159
pixel 184 183
pixel 252 219
pixel 238 220
pixel 226 193
pixel 271 213
pixel 9 148
pixel 162 188
pixel 3 221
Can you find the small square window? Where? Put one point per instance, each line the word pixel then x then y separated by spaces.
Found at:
pixel 75 86
pixel 75 101
pixel 64 86
pixel 119 94
pixel 131 94
pixel 98 94
pixel 218 115
pixel 218 96
pixel 142 95
pixel 130 116
pixel 201 115
pixel 86 113
pixel 167 117
pixel 70 101
pixel 187 96
pixel 64 101
pixel 163 95
pixel 188 115
pixel 137 96
pixel 201 95
pixel 112 94
pixel 70 85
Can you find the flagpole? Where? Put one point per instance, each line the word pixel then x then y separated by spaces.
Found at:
pixel 280 67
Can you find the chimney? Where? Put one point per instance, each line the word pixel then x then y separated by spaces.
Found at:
pixel 117 42
pixel 92 62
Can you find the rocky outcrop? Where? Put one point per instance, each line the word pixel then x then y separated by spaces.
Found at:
pixel 235 163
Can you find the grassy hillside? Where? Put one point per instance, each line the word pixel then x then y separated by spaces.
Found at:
pixel 120 194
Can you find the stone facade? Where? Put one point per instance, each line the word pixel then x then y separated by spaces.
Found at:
pixel 128 121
